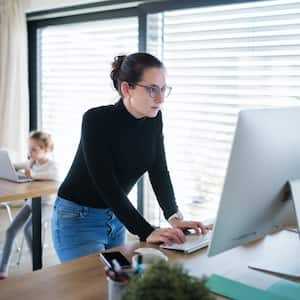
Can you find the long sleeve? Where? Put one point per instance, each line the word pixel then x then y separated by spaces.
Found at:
pixel 48 171
pixel 22 165
pixel 161 181
pixel 100 164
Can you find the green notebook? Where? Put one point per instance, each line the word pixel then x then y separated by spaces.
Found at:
pixel 286 288
pixel 239 291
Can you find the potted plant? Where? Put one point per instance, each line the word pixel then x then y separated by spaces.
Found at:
pixel 162 281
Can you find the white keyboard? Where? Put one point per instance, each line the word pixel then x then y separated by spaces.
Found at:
pixel 193 242
pixel 22 178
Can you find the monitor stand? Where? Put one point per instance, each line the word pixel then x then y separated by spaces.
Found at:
pixel 295 194
pixel 284 260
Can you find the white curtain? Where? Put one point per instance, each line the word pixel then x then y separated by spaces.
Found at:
pixel 14 98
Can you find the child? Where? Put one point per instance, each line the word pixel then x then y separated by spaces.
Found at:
pixel 38 167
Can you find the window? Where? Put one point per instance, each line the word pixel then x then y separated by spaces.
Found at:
pixel 75 63
pixel 219 60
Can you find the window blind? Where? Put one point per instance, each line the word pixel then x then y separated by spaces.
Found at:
pixel 220 60
pixel 74 68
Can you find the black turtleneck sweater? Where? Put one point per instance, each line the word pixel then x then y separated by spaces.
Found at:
pixel 115 150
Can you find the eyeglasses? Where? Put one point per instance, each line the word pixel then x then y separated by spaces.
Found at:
pixel 155 91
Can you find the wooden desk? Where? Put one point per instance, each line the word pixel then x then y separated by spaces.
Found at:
pixel 10 191
pixel 84 278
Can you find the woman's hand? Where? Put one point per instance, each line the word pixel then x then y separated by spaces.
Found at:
pixel 197 226
pixel 167 236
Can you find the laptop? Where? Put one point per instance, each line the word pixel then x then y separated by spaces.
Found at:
pixel 193 243
pixel 7 170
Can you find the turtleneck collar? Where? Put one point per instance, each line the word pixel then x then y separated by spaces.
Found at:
pixel 121 107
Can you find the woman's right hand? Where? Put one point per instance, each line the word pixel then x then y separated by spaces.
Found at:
pixel 167 236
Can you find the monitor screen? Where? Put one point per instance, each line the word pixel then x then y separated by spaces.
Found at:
pixel 256 198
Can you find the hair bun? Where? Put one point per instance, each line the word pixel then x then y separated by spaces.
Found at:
pixel 116 66
pixel 130 68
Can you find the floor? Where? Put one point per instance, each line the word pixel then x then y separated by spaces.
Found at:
pixel 25 264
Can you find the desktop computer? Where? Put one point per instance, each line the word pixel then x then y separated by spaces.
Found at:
pixel 261 192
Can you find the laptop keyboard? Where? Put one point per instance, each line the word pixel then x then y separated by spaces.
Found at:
pixel 193 242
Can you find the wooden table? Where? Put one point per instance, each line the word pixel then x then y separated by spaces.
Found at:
pixel 10 191
pixel 84 278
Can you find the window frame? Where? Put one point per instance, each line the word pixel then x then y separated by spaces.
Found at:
pixel 141 10
pixel 33 62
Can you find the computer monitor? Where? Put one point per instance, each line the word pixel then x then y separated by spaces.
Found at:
pixel 263 178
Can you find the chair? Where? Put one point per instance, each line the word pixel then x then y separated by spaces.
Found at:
pixel 10 218
pixel 19 248
pixel 45 245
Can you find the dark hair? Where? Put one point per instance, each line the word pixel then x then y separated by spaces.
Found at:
pixel 43 139
pixel 131 68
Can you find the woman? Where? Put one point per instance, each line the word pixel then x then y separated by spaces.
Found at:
pixel 118 144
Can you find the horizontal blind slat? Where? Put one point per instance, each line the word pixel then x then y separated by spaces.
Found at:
pixel 220 60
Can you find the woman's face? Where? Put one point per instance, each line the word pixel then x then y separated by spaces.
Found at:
pixel 146 97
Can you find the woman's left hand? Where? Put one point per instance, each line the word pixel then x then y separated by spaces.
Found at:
pixel 199 227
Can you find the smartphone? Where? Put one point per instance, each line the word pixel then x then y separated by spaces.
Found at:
pixel 108 257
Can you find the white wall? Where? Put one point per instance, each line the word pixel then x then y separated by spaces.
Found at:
pixel 38 5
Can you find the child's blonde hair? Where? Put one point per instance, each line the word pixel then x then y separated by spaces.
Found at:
pixel 43 139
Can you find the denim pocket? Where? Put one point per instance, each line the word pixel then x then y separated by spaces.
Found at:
pixel 68 210
pixel 68 213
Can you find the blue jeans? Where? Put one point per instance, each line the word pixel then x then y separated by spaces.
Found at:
pixel 79 230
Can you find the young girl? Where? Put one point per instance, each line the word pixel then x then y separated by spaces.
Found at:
pixel 38 167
